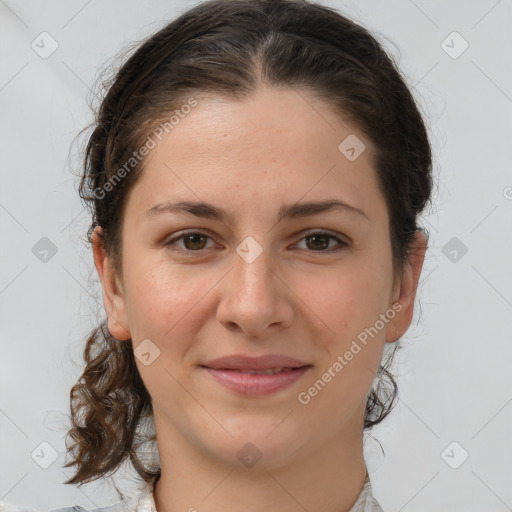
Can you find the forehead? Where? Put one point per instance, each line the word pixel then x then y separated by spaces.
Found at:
pixel 278 145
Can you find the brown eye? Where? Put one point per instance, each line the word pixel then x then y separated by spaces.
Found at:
pixel 194 242
pixel 319 242
pixel 191 242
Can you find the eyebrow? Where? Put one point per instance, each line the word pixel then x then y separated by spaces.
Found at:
pixel 292 211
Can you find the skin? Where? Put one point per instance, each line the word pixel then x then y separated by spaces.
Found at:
pixel 277 147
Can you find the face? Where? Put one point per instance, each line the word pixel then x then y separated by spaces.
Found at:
pixel 312 284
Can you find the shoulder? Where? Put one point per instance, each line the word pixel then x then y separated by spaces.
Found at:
pixel 141 502
pixel 366 502
pixel 118 507
pixel 8 507
pixel 126 505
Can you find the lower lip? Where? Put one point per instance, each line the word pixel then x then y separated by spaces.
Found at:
pixel 256 384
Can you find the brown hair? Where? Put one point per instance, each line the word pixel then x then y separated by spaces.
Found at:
pixel 230 48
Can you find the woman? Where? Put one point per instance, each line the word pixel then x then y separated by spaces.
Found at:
pixel 255 176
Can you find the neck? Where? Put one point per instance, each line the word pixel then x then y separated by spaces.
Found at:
pixel 328 476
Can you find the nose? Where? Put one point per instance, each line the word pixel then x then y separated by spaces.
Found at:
pixel 255 297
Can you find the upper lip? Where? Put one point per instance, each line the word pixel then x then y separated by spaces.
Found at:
pixel 264 362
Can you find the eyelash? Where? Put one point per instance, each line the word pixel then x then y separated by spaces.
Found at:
pixel 341 245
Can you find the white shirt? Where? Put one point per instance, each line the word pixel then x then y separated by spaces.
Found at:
pixel 144 502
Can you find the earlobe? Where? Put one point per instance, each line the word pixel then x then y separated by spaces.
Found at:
pixel 408 287
pixel 113 297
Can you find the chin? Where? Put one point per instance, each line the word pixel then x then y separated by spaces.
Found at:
pixel 266 444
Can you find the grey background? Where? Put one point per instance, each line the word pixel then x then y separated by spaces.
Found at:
pixel 454 371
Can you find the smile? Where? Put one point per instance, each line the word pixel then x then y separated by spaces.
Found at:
pixel 257 382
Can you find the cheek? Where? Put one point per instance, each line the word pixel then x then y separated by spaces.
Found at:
pixel 164 305
pixel 160 297
pixel 347 300
pixel 348 305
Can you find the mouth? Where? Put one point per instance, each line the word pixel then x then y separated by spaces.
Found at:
pixel 257 382
pixel 269 371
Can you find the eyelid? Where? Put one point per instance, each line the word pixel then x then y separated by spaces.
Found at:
pixel 343 241
pixel 181 234
pixel 320 231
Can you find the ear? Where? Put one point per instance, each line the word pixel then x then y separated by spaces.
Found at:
pixel 407 288
pixel 113 297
